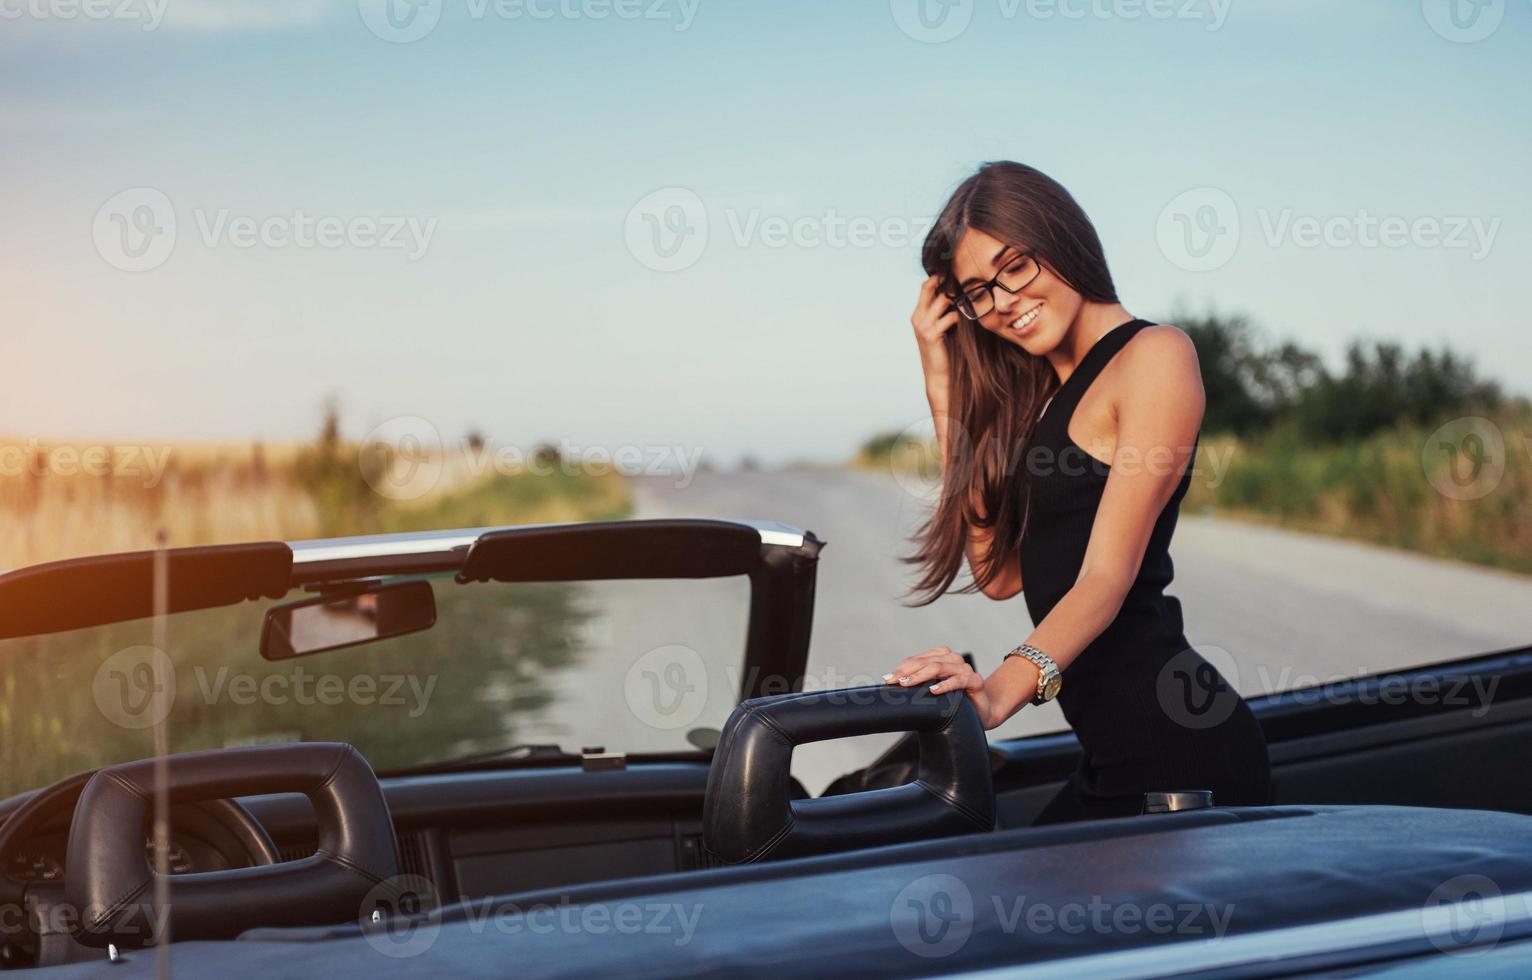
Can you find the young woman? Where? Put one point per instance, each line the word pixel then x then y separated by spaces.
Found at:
pixel 1066 429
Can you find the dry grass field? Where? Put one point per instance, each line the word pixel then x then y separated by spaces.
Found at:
pixel 63 500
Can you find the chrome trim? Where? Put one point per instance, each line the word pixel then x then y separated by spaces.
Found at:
pixel 1359 934
pixel 382 545
pixel 415 543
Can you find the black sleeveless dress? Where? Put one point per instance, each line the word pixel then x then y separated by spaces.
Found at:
pixel 1149 711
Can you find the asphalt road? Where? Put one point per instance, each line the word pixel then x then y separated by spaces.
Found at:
pixel 1273 609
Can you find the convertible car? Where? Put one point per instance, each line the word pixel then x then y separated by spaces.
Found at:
pixel 567 750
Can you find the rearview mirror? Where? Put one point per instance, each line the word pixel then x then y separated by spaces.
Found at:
pixel 297 629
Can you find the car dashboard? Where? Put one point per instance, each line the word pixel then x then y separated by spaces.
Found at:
pixel 484 833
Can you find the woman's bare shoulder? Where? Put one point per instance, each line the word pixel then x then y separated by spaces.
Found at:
pixel 1162 348
pixel 1164 344
pixel 1162 359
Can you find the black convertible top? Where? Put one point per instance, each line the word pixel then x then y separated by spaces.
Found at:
pixel 1035 896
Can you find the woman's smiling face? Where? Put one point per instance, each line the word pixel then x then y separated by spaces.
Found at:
pixel 1037 316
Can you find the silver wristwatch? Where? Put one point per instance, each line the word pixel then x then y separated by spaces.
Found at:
pixel 1049 680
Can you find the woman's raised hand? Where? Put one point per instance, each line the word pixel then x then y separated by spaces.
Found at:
pixel 934 315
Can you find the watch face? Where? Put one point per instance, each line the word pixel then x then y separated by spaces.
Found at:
pixel 1051 687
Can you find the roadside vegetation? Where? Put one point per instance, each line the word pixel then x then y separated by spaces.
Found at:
pixel 1358 452
pixel 476 682
pixel 61 500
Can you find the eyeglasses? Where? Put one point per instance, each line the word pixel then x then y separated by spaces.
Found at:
pixel 977 300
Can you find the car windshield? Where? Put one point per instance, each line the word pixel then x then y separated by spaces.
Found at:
pixel 632 666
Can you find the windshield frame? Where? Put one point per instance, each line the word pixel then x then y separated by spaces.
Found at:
pixel 780 566
pixel 782 575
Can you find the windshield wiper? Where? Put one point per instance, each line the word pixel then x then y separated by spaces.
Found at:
pixel 526 754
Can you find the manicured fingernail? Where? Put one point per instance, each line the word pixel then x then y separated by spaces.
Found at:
pixel 887 678
pixel 936 689
pixel 904 679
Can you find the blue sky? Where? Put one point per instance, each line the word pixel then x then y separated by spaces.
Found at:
pixel 517 146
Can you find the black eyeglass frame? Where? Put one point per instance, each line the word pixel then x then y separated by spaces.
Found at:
pixel 960 298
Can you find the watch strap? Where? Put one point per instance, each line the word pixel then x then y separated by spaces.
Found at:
pixel 1049 678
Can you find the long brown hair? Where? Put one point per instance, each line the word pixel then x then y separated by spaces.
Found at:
pixel 997 389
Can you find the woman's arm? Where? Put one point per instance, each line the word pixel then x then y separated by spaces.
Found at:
pixel 1159 410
